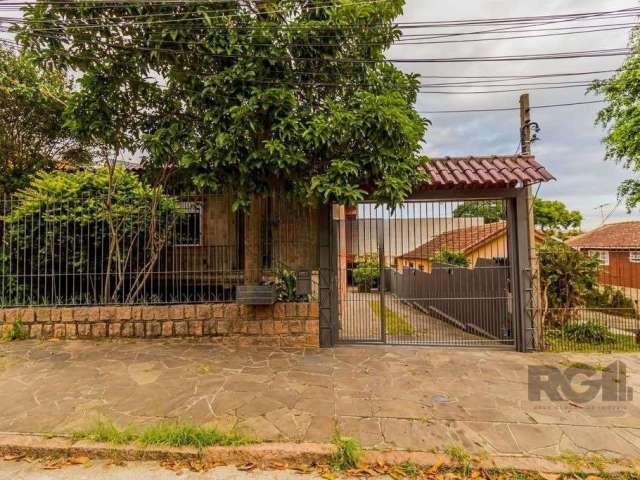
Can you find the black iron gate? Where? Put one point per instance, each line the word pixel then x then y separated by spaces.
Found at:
pixel 428 273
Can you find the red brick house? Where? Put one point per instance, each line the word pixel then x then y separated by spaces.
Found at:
pixel 617 245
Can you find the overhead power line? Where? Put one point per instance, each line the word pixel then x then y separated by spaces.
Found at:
pixel 508 109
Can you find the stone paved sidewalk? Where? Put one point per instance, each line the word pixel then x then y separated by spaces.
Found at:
pixel 387 397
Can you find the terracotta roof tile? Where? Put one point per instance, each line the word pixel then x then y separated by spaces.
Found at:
pixel 484 172
pixel 623 235
pixel 462 239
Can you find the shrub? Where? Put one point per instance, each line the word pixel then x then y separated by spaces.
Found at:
pixel 451 257
pixel 87 222
pixel 588 332
pixel 366 272
pixel 612 301
pixel 567 277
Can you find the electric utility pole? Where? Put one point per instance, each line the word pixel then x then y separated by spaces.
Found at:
pixel 525 149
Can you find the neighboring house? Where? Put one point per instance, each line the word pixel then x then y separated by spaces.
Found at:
pixel 396 236
pixel 617 246
pixel 488 241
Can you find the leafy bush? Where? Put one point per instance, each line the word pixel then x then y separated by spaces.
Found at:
pixel 451 257
pixel 587 332
pixel 366 272
pixel 567 278
pixel 612 301
pixel 87 222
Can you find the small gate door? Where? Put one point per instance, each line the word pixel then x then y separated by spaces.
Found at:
pixel 430 273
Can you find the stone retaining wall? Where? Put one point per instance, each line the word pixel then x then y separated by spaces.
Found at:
pixel 282 324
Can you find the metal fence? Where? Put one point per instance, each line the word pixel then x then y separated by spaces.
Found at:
pixel 428 273
pixel 186 249
pixel 592 308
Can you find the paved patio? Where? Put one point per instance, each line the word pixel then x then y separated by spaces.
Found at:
pixel 388 397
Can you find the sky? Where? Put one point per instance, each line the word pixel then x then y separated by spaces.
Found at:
pixel 570 143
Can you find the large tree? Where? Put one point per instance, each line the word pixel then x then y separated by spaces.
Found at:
pixel 621 118
pixel 32 135
pixel 249 95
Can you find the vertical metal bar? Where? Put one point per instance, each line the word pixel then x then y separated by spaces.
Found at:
pixel 381 281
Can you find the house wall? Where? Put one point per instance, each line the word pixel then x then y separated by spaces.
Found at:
pixel 217 253
pixel 282 324
pixel 620 271
pixel 495 248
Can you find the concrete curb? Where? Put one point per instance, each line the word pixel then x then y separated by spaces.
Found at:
pixel 262 454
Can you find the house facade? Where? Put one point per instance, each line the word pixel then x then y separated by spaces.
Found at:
pixel 617 246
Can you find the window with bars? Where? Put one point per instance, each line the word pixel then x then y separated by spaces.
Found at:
pixel 189 225
pixel 602 255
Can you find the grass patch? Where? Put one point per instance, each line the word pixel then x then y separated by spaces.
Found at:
pixel 106 432
pixel 578 462
pixel 584 366
pixel 460 457
pixel 410 470
pixel 170 434
pixel 16 331
pixel 347 454
pixel 187 435
pixel 394 323
pixel 556 342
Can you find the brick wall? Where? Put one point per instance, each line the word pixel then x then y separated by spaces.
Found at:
pixel 282 324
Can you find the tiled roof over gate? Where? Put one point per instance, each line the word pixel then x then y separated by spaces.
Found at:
pixel 484 172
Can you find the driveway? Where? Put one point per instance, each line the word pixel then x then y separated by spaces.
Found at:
pixel 387 397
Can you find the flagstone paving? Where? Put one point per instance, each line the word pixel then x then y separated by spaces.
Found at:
pixel 387 397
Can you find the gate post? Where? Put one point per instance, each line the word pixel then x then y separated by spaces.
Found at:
pixel 327 298
pixel 519 250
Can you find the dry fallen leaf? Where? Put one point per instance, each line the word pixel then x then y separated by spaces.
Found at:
pixel 549 476
pixel 13 458
pixel 593 477
pixel 436 466
pixel 247 467
pixel 79 460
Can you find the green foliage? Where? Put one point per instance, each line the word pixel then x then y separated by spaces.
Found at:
pixel 347 453
pixel 16 331
pixel 567 277
pixel 32 137
pixel 170 434
pixel 253 95
pixel 106 432
pixel 461 457
pixel 629 191
pixel 286 285
pixel 366 272
pixel 612 301
pixel 451 257
pixel 187 435
pixel 548 215
pixel 587 332
pixel 621 119
pixel 553 215
pixel 490 211
pixel 87 221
